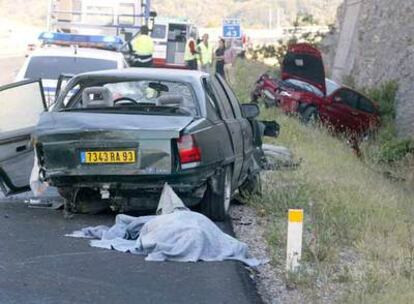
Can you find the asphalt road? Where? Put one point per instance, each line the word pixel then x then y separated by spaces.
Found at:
pixel 9 67
pixel 39 265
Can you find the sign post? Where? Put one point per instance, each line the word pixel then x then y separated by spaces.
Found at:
pixel 294 239
pixel 232 28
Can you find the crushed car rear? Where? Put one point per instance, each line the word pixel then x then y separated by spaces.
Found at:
pixel 124 138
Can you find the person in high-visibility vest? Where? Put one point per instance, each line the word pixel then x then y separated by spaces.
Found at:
pixel 143 47
pixel 206 54
pixel 190 54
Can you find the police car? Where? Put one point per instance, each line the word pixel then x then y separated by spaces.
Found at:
pixel 70 55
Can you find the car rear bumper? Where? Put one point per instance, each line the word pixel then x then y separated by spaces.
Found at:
pixel 189 184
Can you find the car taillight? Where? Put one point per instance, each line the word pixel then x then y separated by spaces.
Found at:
pixel 189 152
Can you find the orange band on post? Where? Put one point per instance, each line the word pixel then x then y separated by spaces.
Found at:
pixel 296 215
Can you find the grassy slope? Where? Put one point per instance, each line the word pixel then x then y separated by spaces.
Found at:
pixel 359 227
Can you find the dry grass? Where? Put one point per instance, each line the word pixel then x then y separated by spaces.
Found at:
pixel 359 227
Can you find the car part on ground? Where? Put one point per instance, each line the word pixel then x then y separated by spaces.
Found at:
pixel 278 158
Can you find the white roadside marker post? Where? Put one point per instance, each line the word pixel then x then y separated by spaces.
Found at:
pixel 294 239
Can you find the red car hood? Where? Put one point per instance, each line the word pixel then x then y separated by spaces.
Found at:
pixel 304 62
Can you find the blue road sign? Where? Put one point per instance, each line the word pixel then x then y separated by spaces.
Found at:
pixel 231 28
pixel 231 31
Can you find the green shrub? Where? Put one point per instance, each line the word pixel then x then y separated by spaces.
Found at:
pixel 387 147
pixel 384 95
pixel 395 150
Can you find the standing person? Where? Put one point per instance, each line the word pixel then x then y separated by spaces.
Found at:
pixel 229 60
pixel 219 56
pixel 190 55
pixel 143 47
pixel 206 54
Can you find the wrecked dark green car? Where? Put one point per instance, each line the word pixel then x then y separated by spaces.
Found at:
pixel 116 137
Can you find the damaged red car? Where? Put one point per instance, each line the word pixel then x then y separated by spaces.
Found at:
pixel 304 90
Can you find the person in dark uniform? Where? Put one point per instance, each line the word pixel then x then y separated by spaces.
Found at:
pixel 219 56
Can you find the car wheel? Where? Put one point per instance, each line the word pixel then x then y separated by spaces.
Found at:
pixel 251 187
pixel 310 116
pixel 216 202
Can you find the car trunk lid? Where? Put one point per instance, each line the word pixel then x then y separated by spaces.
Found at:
pixel 304 62
pixel 65 137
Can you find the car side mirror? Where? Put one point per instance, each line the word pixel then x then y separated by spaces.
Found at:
pixel 271 128
pixel 250 110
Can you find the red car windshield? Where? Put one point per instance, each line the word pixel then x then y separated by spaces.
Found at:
pixel 305 86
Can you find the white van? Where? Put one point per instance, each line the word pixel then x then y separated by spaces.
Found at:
pixel 170 38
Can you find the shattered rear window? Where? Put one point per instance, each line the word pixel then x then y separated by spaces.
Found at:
pixel 147 96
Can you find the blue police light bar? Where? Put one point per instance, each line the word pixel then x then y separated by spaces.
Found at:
pixel 92 41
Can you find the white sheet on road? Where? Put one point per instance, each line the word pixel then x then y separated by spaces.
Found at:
pixel 177 234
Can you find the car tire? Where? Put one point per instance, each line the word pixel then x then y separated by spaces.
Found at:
pixel 251 187
pixel 216 201
pixel 310 116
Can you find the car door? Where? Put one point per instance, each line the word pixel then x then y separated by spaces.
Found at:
pixel 62 82
pixel 367 114
pixel 246 128
pixel 234 127
pixel 21 104
pixel 342 110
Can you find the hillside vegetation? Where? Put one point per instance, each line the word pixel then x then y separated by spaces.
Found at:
pixel 254 13
pixel 359 227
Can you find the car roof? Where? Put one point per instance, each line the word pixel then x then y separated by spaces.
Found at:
pixel 80 52
pixel 178 75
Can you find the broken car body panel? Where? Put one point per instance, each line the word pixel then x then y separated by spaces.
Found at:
pixel 21 104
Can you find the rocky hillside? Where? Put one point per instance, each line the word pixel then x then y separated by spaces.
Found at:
pixel 381 48
pixel 255 13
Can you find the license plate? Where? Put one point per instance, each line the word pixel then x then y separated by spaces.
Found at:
pixel 109 157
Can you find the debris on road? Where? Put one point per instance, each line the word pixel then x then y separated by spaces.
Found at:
pixel 45 203
pixel 36 185
pixel 278 157
pixel 177 234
